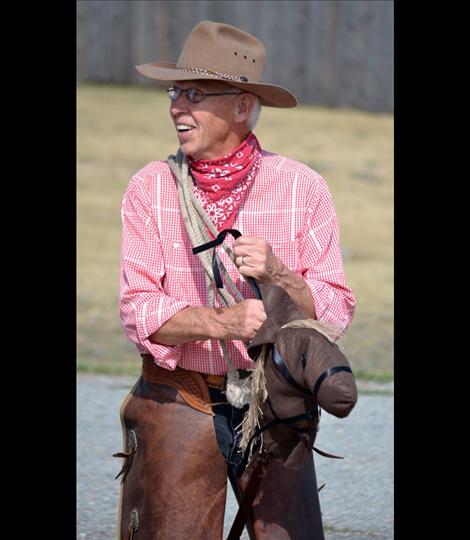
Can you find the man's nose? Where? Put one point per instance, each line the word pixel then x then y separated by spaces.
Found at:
pixel 180 103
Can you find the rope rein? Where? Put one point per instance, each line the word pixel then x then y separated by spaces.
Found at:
pixel 197 222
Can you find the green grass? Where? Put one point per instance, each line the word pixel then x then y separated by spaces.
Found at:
pixel 121 128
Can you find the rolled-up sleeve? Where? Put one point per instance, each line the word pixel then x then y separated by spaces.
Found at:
pixel 144 306
pixel 321 262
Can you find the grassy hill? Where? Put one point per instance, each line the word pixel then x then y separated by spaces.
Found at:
pixel 120 129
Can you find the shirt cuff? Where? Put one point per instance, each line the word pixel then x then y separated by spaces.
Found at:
pixel 329 305
pixel 153 315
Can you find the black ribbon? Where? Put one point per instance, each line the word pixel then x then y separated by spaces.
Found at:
pixel 215 267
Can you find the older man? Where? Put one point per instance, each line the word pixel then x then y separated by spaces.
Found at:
pixel 180 420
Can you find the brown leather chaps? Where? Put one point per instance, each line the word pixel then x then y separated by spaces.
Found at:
pixel 174 476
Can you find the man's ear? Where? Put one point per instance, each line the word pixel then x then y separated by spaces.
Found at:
pixel 243 107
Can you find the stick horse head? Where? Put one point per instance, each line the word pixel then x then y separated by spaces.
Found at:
pixel 302 371
pixel 305 371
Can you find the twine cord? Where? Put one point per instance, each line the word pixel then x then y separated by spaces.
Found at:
pixel 197 222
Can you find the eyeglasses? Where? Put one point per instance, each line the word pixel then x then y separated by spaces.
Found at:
pixel 195 96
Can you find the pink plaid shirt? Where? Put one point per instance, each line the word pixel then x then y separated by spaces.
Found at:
pixel 289 205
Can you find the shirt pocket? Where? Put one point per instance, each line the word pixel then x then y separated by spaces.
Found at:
pixel 184 274
pixel 176 255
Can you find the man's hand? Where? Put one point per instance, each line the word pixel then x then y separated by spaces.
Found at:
pixel 240 321
pixel 255 258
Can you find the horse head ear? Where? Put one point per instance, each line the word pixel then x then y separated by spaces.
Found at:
pixel 280 309
pixel 267 333
pixel 278 305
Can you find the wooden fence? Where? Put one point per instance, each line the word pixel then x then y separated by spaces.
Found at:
pixel 333 53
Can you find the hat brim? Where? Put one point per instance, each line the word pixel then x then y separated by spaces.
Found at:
pixel 270 95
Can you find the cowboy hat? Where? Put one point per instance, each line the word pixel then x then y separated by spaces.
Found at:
pixel 221 52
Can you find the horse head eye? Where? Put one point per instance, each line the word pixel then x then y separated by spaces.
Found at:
pixel 304 360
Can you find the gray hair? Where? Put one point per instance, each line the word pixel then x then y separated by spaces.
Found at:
pixel 254 116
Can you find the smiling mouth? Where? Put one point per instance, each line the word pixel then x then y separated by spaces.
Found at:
pixel 184 128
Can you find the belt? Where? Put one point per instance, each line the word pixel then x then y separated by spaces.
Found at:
pixel 191 385
pixel 214 381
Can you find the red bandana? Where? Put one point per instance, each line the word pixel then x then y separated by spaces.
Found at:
pixel 221 184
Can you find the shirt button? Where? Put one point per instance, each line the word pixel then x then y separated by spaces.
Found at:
pixel 176 245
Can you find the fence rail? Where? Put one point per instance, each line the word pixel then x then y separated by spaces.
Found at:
pixel 333 53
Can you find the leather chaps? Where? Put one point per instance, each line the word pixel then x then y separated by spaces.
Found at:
pixel 174 474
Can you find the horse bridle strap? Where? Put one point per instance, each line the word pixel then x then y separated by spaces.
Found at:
pixel 327 373
pixel 245 507
pixel 282 366
pixel 297 418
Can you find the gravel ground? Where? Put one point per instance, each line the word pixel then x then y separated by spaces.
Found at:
pixel 357 500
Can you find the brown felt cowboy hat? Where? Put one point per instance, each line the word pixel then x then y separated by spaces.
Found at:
pixel 217 51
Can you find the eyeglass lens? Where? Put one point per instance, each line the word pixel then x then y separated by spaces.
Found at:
pixel 195 96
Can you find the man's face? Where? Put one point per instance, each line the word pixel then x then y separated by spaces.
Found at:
pixel 214 132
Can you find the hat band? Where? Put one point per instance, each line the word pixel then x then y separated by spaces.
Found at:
pixel 213 73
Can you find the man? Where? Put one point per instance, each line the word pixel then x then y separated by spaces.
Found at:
pixel 190 335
